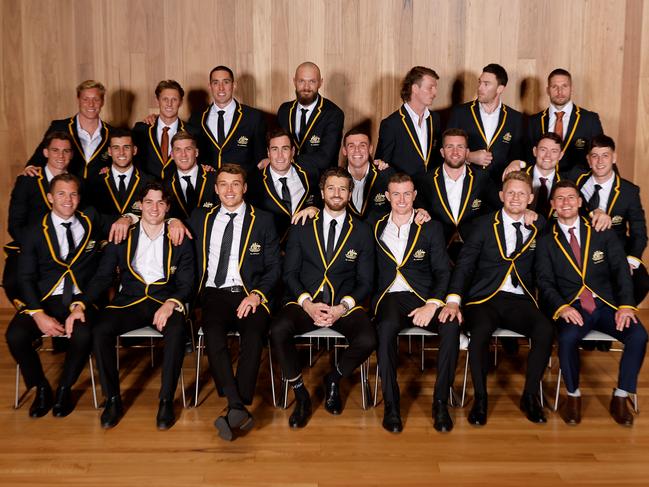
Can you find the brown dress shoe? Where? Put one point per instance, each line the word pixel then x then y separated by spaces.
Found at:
pixel 620 411
pixel 571 412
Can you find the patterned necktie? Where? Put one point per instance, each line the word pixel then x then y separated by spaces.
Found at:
pixel 190 194
pixel 586 297
pixel 329 253
pixel 220 128
pixel 300 136
pixel 558 127
pixel 164 145
pixel 68 285
pixel 517 248
pixel 593 202
pixel 224 253
pixel 286 195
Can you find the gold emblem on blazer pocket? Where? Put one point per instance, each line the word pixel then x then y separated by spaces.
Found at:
pixel 242 141
pixel 351 255
pixel 598 256
pixel 314 140
pixel 254 248
pixel 507 137
pixel 419 254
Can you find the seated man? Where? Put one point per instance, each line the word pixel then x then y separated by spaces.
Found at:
pixel 328 273
pixel 58 258
pixel 240 268
pixel 413 274
pixel 493 277
pixel 155 280
pixel 584 282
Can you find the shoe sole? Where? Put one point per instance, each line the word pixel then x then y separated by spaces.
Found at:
pixel 225 432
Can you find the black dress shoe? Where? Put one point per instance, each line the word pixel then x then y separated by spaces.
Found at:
pixel 62 402
pixel 392 420
pixel 236 418
pixel 332 402
pixel 478 413
pixel 113 412
pixel 42 402
pixel 620 411
pixel 531 406
pixel 301 413
pixel 442 421
pixel 166 417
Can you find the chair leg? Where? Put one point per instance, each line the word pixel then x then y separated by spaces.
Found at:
pixel 556 393
pixel 285 386
pixel 311 351
pixel 117 351
pixel 199 350
pixel 92 381
pixel 272 375
pixel 409 345
pixel 151 345
pixel 422 353
pixel 466 370
pixel 495 351
pixel 376 384
pixel 17 386
pixel 541 392
pixel 363 404
pixel 182 387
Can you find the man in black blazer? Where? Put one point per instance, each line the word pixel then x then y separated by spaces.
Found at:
pixel 89 134
pixel 314 122
pixel 59 255
pixel 328 275
pixel 574 124
pixel 239 267
pixel 412 279
pixel 153 135
pixel 496 135
pixel 409 138
pixel 156 279
pixel 584 284
pixel 493 279
pixel 228 131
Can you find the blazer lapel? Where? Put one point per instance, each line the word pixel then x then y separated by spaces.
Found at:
pixel 410 129
pixel 379 227
pixel 269 185
pixel 50 236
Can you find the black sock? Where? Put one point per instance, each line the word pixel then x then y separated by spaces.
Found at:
pixel 299 389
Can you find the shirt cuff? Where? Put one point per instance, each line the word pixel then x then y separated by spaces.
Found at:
pixel 77 303
pixel 351 302
pixel 180 307
pixel 454 298
pixel 133 217
pixel 303 297
pixel 438 302
pixel 633 261
pixel 32 312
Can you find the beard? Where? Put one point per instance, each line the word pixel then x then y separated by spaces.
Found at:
pixel 333 206
pixel 306 99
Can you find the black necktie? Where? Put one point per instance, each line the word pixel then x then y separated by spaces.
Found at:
pixel 220 128
pixel 329 253
pixel 519 245
pixel 121 188
pixel 190 194
pixel 286 195
pixel 542 206
pixel 224 254
pixel 302 123
pixel 593 202
pixel 68 285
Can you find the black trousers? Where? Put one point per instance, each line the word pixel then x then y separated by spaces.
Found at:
pixel 220 317
pixel 514 312
pixel 392 317
pixel 23 331
pixel 112 322
pixel 293 320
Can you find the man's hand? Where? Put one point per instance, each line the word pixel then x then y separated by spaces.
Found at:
pixel 601 220
pixel 77 314
pixel 511 167
pixel 31 171
pixel 162 315
pixel 381 165
pixel 624 317
pixel 177 231
pixel 529 217
pixel 119 229
pixel 150 119
pixel 303 215
pixel 450 312
pixel 263 163
pixel 207 168
pixel 481 157
pixel 335 312
pixel 248 304
pixel 319 312
pixel 421 216
pixel 571 315
pixel 421 316
pixel 48 325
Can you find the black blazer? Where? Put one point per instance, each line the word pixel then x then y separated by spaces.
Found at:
pixel 149 157
pixel 582 126
pixel 79 166
pixel 103 195
pixel 604 269
pixel 398 144
pixel 625 209
pixel 351 271
pixel 321 144
pixel 41 266
pixel 425 267
pixel 508 142
pixel 259 261
pixel 177 284
pixel 28 203
pixel 483 265
pixel 374 201
pixel 207 197
pixel 245 143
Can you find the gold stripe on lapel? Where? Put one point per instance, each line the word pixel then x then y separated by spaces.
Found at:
pixel 616 189
pixel 477 124
pixel 378 240
pixel 41 176
pixel 122 209
pixel 179 198
pixel 206 238
pixel 299 144
pixel 128 256
pixel 245 245
pixel 270 193
pixel 412 139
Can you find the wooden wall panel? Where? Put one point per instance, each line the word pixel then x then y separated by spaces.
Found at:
pixel 362 46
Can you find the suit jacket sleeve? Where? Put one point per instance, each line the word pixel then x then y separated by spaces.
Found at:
pixel 551 298
pixel 185 271
pixel 637 226
pixel 272 267
pixel 467 262
pixel 293 262
pixel 386 143
pixel 439 263
pixel 364 266
pixel 623 287
pixel 28 271
pixel 19 209
pixel 329 144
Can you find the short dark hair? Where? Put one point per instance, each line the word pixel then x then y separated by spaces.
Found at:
pixel 601 141
pixel 278 132
pixel 155 186
pixel 558 72
pixel 498 71
pixel 119 132
pixel 564 183
pixel 400 177
pixel 414 76
pixel 231 169
pixel 552 136
pixel 183 135
pixel 518 176
pixel 57 135
pixel 169 84
pixel 222 68
pixel 357 131
pixel 455 132
pixel 339 172
pixel 65 177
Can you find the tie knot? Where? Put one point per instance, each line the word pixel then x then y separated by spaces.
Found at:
pixel 598 187
pixel 165 129
pixel 67 225
pixel 559 115
pixel 122 177
pixel 282 180
pixel 571 231
pixel 221 113
pixel 304 110
pixel 517 225
pixel 231 215
pixel 543 181
pixel 188 179
pixel 333 223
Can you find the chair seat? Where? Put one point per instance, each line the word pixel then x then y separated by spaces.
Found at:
pixel 144 332
pixel 417 331
pixel 321 333
pixel 594 335
pixel 505 333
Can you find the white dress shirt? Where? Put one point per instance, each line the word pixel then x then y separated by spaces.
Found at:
pixel 359 190
pixel 294 183
pixel 193 177
pixel 510 246
pixel 233 276
pixel 48 174
pixel 77 234
pixel 396 239
pixel 421 130
pixel 173 129
pixel 490 121
pixel 454 191
pixel 588 189
pixel 149 256
pixel 117 174
pixel 89 142
pixel 566 230
pixel 228 116
pixel 309 111
pixel 552 118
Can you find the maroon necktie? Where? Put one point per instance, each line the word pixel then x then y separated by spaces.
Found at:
pixel 586 297
pixel 164 144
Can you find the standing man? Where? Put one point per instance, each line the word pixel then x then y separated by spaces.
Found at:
pixel 585 285
pixel 493 279
pixel 574 124
pixel 239 266
pixel 495 130
pixel 409 137
pixel 413 275
pixel 314 122
pixel 228 131
pixel 328 274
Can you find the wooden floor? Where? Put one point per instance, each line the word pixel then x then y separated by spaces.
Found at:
pixel 351 449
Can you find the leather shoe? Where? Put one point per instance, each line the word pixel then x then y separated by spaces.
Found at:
pixel 166 417
pixel 531 406
pixel 301 414
pixel 478 413
pixel 42 402
pixel 62 402
pixel 113 412
pixel 571 411
pixel 620 411
pixel 235 418
pixel 332 402
pixel 392 420
pixel 442 421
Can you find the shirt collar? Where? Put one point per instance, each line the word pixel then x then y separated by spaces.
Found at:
pixel 565 228
pixel 143 233
pixel 128 173
pixel 276 176
pixel 492 114
pixel 367 171
pixel 48 173
pixel 409 222
pixel 449 178
pixel 193 172
pixel 310 106
pixel 508 220
pixel 606 185
pixel 537 174
pixel 92 135
pixel 57 220
pixel 240 211
pixel 566 109
pixel 326 218
pixel 173 126
pixel 229 108
pixel 413 114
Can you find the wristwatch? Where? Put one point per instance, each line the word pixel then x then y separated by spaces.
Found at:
pixel 345 305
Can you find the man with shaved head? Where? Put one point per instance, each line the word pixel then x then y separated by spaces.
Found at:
pixel 315 123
